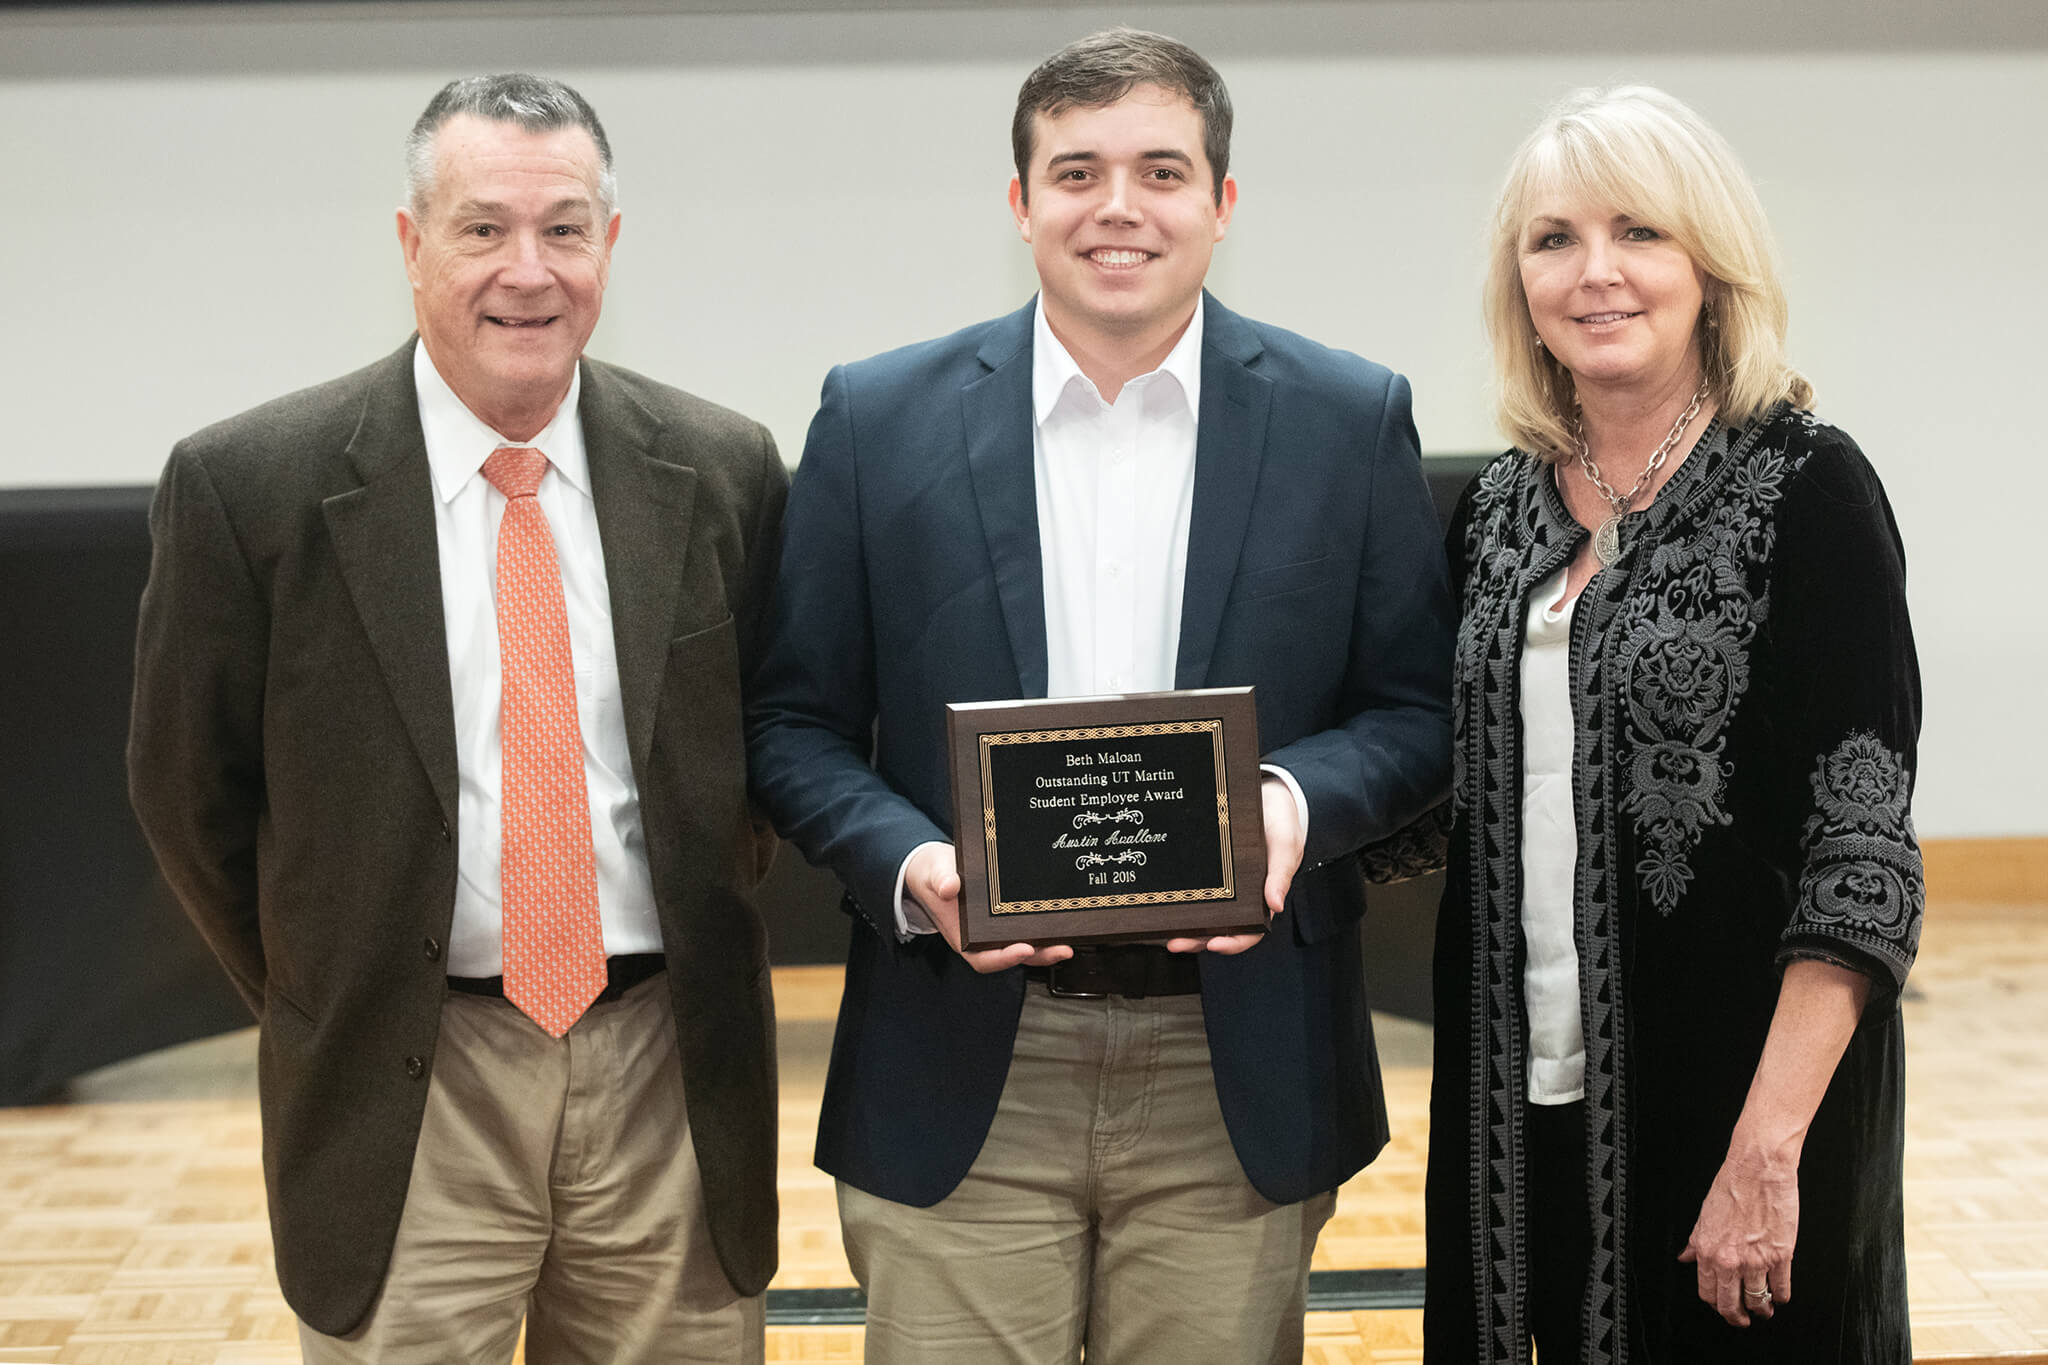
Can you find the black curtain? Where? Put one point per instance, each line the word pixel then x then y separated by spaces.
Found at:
pixel 96 961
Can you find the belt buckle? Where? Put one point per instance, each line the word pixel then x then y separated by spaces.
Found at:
pixel 1053 987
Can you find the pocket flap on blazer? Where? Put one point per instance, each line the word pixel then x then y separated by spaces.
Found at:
pixel 710 642
pixel 1303 573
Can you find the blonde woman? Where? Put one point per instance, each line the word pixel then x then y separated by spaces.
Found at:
pixel 1684 890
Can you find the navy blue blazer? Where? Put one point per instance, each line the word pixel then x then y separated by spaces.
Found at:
pixel 911 577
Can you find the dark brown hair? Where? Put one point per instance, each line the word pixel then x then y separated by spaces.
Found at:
pixel 1101 69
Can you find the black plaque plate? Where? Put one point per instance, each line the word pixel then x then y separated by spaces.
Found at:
pixel 1108 819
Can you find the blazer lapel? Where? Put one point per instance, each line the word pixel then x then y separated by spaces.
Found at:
pixel 385 543
pixel 997 408
pixel 1230 445
pixel 644 507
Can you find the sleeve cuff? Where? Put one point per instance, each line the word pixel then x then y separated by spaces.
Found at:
pixel 911 918
pixel 1294 790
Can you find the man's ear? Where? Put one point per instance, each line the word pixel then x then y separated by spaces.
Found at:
pixel 1019 209
pixel 409 245
pixel 1226 205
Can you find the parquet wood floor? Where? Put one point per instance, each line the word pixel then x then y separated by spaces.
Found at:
pixel 132 1230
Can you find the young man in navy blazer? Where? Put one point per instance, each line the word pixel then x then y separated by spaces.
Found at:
pixel 1121 487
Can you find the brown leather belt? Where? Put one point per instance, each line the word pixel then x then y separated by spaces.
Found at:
pixel 621 974
pixel 1130 970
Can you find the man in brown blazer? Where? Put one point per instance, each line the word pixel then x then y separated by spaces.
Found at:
pixel 437 737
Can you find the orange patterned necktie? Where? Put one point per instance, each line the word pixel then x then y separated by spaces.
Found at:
pixel 554 942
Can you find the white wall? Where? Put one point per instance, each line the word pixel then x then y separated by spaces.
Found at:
pixel 200 218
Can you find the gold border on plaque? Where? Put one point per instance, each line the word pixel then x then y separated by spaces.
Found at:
pixel 1214 728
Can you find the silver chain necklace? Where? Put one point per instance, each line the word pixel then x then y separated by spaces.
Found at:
pixel 1607 539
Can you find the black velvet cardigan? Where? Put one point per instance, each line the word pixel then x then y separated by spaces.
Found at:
pixel 1747 705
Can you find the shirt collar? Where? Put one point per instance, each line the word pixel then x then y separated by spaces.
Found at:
pixel 458 441
pixel 1053 370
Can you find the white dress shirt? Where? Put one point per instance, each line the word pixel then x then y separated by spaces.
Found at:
pixel 467 510
pixel 1116 490
pixel 1550 852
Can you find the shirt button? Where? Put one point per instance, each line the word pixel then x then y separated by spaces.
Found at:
pixel 433 950
pixel 415 1067
pixel 1116 571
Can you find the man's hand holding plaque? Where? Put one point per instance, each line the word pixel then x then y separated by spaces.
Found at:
pixel 932 878
pixel 1285 842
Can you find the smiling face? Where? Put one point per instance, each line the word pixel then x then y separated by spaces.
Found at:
pixel 1122 215
pixel 1614 299
pixel 508 266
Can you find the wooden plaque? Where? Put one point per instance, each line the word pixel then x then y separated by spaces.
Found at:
pixel 1108 819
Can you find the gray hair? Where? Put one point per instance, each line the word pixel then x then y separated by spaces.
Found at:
pixel 1099 70
pixel 539 104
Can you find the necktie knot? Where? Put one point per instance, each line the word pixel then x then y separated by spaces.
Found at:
pixel 516 471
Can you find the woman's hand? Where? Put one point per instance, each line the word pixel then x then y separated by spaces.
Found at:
pixel 1742 1243
pixel 1749 1220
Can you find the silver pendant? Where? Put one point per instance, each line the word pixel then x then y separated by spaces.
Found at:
pixel 1607 541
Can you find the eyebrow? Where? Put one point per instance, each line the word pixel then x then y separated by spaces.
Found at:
pixel 1555 221
pixel 1162 154
pixel 569 204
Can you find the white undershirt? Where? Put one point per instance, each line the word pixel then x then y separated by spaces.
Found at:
pixel 1550 975
pixel 1115 493
pixel 467 510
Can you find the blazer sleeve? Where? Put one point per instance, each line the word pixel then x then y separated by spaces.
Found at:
pixel 763 551
pixel 810 725
pixel 1388 760
pixel 751 615
pixel 195 736
pixel 1423 845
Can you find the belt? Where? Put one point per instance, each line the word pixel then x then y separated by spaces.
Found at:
pixel 621 974
pixel 1131 970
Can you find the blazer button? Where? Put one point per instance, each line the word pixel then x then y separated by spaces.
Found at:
pixel 415 1068
pixel 444 832
pixel 433 950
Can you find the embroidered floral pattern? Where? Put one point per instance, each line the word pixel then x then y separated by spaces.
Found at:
pixel 1862 875
pixel 1860 788
pixel 1418 848
pixel 1685 665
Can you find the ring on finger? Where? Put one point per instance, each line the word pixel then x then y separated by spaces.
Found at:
pixel 1759 1296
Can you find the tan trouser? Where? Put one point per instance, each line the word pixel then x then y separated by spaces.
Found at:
pixel 554 1181
pixel 1106 1208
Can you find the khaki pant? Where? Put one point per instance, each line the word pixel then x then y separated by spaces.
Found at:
pixel 554 1182
pixel 1106 1210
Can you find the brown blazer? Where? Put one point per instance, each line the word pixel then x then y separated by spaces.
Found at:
pixel 292 759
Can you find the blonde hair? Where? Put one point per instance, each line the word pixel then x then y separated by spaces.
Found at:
pixel 1645 154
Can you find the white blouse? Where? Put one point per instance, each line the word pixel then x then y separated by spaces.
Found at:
pixel 1550 976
